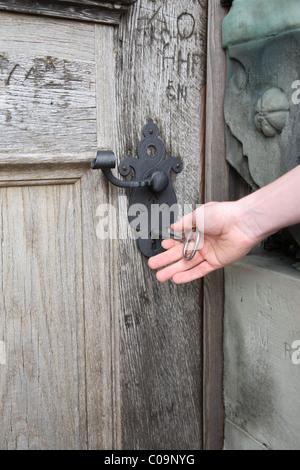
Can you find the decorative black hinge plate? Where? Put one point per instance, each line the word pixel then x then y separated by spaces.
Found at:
pixel 153 204
pixel 152 208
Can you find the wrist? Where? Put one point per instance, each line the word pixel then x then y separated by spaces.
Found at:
pixel 272 207
pixel 252 219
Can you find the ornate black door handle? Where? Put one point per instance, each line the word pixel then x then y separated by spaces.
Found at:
pixel 157 180
pixel 153 203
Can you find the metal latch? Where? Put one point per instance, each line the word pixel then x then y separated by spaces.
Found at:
pixel 153 203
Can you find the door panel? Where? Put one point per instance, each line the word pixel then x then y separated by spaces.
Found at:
pixel 47 76
pixel 42 324
pixel 57 382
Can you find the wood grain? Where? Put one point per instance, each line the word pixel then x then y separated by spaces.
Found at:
pixel 107 138
pixel 48 128
pixel 41 174
pixel 42 384
pixel 55 296
pixel 47 77
pixel 161 325
pixel 216 189
pixel 108 11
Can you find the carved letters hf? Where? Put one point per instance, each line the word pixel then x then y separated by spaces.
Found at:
pixel 176 52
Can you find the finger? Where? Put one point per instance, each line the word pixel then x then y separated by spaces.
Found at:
pixel 174 253
pixel 195 273
pixel 185 223
pixel 169 243
pixel 179 267
pixel 170 256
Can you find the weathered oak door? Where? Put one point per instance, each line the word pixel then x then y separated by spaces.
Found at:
pixel 93 352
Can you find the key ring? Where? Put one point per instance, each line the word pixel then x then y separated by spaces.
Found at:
pixel 170 234
pixel 186 243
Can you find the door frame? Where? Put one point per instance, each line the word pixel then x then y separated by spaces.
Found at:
pixel 216 189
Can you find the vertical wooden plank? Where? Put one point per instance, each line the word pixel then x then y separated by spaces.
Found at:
pixel 42 381
pixel 216 189
pixel 161 56
pixel 97 314
pixel 100 286
pixel 107 138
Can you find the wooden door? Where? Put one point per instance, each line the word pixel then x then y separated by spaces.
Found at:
pixel 57 381
pixel 94 353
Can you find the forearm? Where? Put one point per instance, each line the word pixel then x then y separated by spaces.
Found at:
pixel 273 207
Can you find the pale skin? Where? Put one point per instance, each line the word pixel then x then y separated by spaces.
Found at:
pixel 231 230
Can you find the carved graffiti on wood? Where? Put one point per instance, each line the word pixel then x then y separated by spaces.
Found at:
pixel 181 43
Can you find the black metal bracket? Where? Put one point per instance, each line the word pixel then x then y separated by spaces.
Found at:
pixel 153 203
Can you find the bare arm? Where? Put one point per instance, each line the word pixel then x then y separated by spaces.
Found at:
pixel 273 207
pixel 232 229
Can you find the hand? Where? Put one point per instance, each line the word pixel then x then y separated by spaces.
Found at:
pixel 226 239
pixel 231 229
